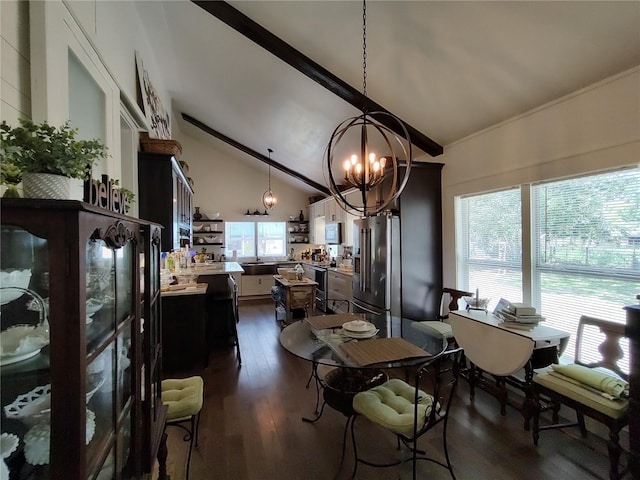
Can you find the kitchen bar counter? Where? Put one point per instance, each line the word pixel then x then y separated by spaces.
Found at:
pixel 216 268
pixel 185 289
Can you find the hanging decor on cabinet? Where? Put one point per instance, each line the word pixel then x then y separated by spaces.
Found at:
pixel 375 175
pixel 269 200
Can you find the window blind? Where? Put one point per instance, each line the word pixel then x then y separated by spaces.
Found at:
pixel 491 257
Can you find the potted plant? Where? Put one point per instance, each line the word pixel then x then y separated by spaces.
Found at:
pixel 10 174
pixel 53 163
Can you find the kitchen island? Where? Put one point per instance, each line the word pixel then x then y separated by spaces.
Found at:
pixel 183 326
pixel 293 295
pixel 197 315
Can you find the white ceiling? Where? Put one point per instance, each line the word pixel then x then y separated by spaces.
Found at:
pixel 448 68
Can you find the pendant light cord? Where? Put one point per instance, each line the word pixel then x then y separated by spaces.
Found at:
pixel 364 55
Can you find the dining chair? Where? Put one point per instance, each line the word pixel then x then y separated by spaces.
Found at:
pixel 594 386
pixel 438 328
pixel 184 398
pixel 411 410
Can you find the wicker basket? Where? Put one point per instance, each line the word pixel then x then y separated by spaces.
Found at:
pixel 157 145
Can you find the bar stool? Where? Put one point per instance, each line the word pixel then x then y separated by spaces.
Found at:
pixel 184 398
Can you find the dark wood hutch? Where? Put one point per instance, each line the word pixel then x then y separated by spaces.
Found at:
pixel 83 402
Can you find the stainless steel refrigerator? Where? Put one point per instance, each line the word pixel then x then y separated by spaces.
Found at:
pixel 376 265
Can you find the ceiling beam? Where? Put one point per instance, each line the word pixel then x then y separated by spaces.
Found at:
pixel 249 151
pixel 285 52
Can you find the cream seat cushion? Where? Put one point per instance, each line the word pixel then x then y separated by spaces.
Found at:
pixel 610 384
pixel 183 397
pixel 391 405
pixel 434 328
pixel 569 388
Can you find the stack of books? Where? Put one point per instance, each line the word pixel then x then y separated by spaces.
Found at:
pixel 518 315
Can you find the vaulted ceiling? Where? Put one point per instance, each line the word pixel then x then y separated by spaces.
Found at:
pixel 447 68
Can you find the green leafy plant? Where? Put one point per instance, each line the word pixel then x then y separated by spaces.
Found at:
pixel 129 195
pixel 42 148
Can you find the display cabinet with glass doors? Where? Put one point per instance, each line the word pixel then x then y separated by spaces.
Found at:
pixel 79 388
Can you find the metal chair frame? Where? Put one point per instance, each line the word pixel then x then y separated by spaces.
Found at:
pixel 443 385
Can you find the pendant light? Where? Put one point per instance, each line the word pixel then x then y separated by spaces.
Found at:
pixel 363 153
pixel 269 200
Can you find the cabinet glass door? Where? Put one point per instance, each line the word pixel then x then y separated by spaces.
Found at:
pixel 25 387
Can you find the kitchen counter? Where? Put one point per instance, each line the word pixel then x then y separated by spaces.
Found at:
pixel 185 289
pixel 216 268
pixel 344 271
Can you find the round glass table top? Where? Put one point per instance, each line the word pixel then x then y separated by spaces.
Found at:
pixel 326 346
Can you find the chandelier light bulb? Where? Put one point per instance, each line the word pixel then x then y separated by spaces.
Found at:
pixel 366 172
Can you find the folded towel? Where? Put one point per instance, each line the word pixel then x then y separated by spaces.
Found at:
pixel 614 386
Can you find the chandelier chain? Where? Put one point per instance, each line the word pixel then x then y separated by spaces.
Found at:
pixel 364 51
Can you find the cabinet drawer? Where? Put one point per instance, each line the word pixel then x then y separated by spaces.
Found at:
pixel 256 285
pixel 339 282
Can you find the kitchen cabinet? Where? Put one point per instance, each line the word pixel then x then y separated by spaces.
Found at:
pixel 208 233
pixel 316 223
pixel 166 198
pixel 332 212
pixel 256 285
pixel 298 232
pixel 339 291
pixel 420 210
pixel 85 277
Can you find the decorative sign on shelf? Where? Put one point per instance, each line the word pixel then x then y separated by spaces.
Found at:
pixel 106 194
pixel 158 118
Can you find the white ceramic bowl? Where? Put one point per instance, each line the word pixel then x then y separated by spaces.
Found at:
pixel 198 228
pixel 13 278
pixel 21 342
pixel 93 305
pixel 359 326
pixel 35 406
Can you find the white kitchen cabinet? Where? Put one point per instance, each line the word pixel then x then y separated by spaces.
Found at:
pixel 339 291
pixel 332 211
pixel 256 285
pixel 316 223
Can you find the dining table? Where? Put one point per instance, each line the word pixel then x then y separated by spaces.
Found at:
pixel 508 355
pixel 360 363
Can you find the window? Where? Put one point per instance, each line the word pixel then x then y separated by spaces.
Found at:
pixel 584 254
pixel 256 239
pixel 491 234
pixel 587 247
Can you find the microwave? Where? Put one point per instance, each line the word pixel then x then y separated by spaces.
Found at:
pixel 333 233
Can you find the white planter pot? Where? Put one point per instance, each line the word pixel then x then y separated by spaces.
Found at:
pixel 56 187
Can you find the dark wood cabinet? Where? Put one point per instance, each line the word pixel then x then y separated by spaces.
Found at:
pixel 80 385
pixel 633 333
pixel 165 197
pixel 420 210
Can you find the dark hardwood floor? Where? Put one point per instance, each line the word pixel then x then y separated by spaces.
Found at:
pixel 251 427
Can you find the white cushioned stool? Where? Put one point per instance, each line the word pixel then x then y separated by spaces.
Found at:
pixel 184 398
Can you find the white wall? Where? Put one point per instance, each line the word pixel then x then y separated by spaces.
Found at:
pixel 223 183
pixel 15 69
pixel 594 129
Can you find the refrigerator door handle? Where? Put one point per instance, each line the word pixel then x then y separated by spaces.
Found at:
pixel 367 262
pixel 368 310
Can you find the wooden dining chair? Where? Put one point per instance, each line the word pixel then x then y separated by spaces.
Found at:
pixel 438 328
pixel 411 410
pixel 594 386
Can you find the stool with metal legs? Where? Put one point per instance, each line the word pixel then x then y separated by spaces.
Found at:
pixel 184 399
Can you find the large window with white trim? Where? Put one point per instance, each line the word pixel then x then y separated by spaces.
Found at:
pixel 491 234
pixel 256 239
pixel 584 254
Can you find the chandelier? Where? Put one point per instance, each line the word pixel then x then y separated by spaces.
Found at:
pixel 269 200
pixel 354 156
